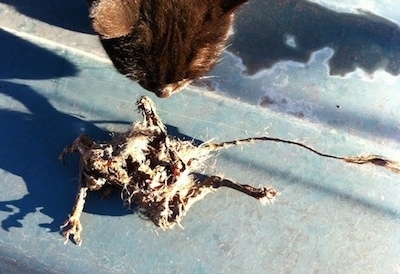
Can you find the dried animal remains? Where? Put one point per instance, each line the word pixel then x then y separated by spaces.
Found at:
pixel 156 172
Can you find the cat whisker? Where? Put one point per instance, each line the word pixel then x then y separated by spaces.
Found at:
pixel 225 48
pixel 208 77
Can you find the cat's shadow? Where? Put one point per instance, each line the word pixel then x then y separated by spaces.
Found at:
pixel 34 133
pixel 68 14
pixel 268 31
pixel 30 149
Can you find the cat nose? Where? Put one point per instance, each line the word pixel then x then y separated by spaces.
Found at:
pixel 165 92
pixel 158 89
pixel 169 89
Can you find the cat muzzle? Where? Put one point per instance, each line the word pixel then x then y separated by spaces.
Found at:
pixel 169 89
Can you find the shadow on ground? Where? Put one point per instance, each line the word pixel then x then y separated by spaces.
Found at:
pixel 67 14
pixel 269 31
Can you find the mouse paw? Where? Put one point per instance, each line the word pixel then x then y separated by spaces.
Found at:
pixel 72 226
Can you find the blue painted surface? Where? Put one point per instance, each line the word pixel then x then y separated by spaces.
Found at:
pixel 330 217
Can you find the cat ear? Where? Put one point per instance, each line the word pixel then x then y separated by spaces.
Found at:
pixel 230 5
pixel 113 18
